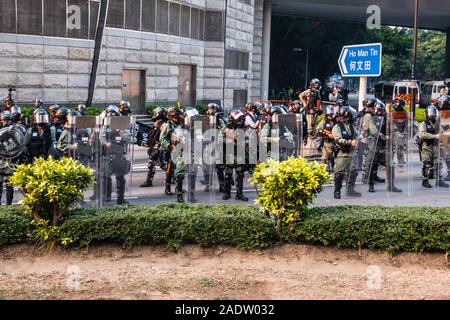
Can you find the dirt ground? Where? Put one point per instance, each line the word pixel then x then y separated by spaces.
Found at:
pixel 287 272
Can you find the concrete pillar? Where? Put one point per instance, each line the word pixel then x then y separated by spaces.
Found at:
pixel 447 55
pixel 267 25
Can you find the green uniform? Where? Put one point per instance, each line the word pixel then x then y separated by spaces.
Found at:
pixel 429 153
pixel 64 143
pixel 171 136
pixel 311 97
pixel 325 128
pixel 344 133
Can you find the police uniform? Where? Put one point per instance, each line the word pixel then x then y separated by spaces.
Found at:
pixel 343 134
pixel 429 150
pixel 116 163
pixel 312 107
pixel 38 143
pixel 326 129
pixel 154 152
pixel 169 138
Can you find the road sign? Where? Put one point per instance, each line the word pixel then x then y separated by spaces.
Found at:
pixel 362 60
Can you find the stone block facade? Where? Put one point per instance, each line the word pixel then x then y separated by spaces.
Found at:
pixel 58 69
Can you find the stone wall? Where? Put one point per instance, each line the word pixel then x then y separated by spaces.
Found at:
pixel 58 69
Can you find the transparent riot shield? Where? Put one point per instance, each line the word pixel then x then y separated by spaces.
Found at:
pixel 443 166
pixel 117 153
pixel 289 131
pixel 201 170
pixel 402 161
pixel 364 156
pixel 86 151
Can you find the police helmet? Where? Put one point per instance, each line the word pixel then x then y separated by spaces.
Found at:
pixel 174 113
pixel 432 113
pixel 112 111
pixel 159 113
pixel 61 115
pixel 315 83
pixel 38 103
pixel 444 103
pixel 213 109
pixel 346 113
pixel 6 116
pixel 370 103
pixel 399 104
pixel 237 118
pixel 252 106
pixel 278 110
pixel 81 108
pixel 53 109
pixel 125 107
pixel 447 82
pixel 16 112
pixel 330 112
pixel 380 109
pixel 41 116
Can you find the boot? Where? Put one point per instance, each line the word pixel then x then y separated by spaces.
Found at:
pixel 227 193
pixel 351 192
pixel 120 181
pixel 179 190
pixel 149 181
pixel 426 184
pixel 9 195
pixel 191 194
pixel 378 179
pixel 338 186
pixel 371 187
pixel 168 190
pixel 442 184
pixel 239 188
pixel 221 178
pixel 391 176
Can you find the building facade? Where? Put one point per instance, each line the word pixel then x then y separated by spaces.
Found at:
pixel 152 51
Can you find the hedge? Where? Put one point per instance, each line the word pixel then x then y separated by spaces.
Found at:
pixel 386 229
pixel 389 229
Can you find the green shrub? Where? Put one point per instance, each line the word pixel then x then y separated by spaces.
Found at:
pixel 389 229
pixel 15 226
pixel 174 225
pixel 51 187
pixel 288 187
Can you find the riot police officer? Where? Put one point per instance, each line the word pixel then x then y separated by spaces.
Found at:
pixel 40 137
pixel 125 108
pixel 294 106
pixel 429 144
pixel 381 156
pixel 234 137
pixel 168 139
pixel 16 113
pixel 65 143
pixel 284 137
pixel 60 121
pixel 214 110
pixel 114 143
pixel 11 141
pixel 153 144
pixel 325 130
pixel 345 134
pixel 81 108
pixel 311 100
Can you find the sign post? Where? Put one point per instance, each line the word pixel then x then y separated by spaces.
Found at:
pixel 362 60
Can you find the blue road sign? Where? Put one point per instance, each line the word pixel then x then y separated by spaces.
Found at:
pixel 362 60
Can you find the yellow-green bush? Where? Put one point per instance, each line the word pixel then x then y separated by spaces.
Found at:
pixel 288 187
pixel 51 187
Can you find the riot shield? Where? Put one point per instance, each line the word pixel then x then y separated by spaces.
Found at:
pixel 366 154
pixel 201 170
pixel 402 162
pixel 443 165
pixel 117 153
pixel 289 131
pixel 86 139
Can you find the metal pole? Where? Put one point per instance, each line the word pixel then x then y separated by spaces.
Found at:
pixel 265 74
pixel 416 21
pixel 362 92
pixel 307 69
pixel 98 45
pixel 416 26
